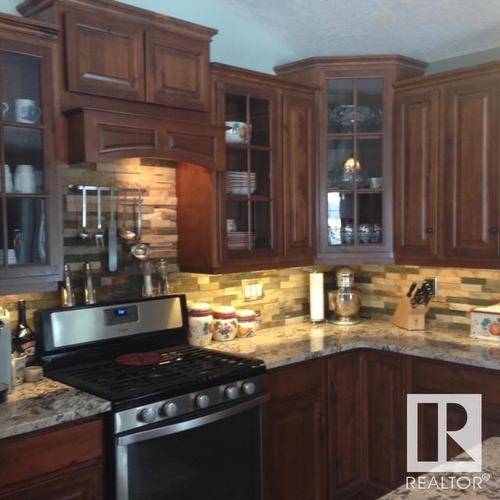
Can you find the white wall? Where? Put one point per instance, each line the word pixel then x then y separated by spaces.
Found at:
pixel 465 60
pixel 238 42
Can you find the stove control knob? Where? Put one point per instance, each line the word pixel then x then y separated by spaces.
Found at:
pixel 202 401
pixel 169 410
pixel 231 392
pixel 146 415
pixel 248 388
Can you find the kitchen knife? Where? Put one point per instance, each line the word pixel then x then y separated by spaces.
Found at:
pixel 112 243
pixel 416 297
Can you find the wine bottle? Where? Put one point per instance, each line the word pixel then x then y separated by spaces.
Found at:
pixel 24 341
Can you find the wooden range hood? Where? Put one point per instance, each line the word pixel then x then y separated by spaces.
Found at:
pixel 99 136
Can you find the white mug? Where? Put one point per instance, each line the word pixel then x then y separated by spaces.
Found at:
pixel 24 179
pixel 9 183
pixel 5 109
pixel 27 111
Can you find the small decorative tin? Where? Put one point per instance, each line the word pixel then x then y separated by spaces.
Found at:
pixel 485 322
pixel 224 324
pixel 246 322
pixel 200 324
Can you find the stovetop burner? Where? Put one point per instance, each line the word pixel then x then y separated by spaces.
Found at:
pixel 179 370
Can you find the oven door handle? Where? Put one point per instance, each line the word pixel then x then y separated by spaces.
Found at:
pixel 190 424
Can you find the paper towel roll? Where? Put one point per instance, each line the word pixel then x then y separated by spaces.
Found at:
pixel 316 298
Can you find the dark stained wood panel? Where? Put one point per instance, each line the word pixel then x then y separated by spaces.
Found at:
pixel 177 70
pixel 299 173
pixel 471 169
pixel 383 421
pixel 104 56
pixel 344 412
pixel 84 483
pixel 416 175
pixel 297 445
pixel 114 138
pixel 33 456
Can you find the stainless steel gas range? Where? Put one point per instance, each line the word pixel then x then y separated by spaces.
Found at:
pixel 187 421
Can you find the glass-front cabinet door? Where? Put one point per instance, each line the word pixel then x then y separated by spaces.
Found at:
pixel 355 157
pixel 26 177
pixel 249 180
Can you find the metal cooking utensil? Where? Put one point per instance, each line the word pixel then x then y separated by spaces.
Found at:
pixel 139 217
pixel 112 243
pixel 99 235
pixel 126 234
pixel 141 251
pixel 84 234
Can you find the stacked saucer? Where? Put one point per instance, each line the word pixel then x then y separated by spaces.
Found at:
pixel 240 240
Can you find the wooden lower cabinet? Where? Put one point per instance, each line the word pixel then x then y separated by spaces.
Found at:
pixel 360 452
pixel 344 412
pixel 296 434
pixel 61 463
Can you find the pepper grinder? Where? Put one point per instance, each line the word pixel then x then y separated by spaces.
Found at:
pixel 90 295
pixel 345 302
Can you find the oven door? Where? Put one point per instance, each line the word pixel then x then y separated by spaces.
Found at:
pixel 216 456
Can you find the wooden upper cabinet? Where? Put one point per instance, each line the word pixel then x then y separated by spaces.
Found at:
pixel 104 56
pixel 115 50
pixel 299 173
pixel 471 169
pixel 177 70
pixel 416 175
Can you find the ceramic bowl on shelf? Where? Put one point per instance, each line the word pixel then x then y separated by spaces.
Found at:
pixel 238 132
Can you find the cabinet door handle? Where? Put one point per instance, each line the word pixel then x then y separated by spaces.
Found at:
pixel 493 230
pixel 429 230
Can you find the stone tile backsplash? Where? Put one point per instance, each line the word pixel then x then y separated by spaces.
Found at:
pixel 286 295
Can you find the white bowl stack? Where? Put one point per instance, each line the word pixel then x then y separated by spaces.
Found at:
pixel 241 183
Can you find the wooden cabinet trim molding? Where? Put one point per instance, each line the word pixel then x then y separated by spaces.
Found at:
pixel 99 135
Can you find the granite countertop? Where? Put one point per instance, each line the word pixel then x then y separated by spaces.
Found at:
pixel 292 343
pixel 32 407
pixel 484 484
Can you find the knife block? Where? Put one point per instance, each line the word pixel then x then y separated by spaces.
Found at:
pixel 408 317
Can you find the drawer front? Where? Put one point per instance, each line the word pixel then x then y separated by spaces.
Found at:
pixel 448 378
pixel 35 455
pixel 115 139
pixel 178 70
pixel 104 56
pixel 297 379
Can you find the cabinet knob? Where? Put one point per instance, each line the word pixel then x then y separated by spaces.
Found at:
pixel 429 230
pixel 493 230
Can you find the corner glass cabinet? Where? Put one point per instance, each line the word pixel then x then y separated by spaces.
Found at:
pixel 248 182
pixel 26 207
pixel 355 158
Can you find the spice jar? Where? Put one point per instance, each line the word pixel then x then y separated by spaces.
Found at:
pixel 246 322
pixel 224 324
pixel 200 324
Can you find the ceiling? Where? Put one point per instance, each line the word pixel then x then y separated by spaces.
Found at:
pixel 431 30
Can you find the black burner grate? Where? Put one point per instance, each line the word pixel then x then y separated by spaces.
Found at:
pixel 180 370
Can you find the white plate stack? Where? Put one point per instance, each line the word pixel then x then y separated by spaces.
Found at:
pixel 240 240
pixel 241 183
